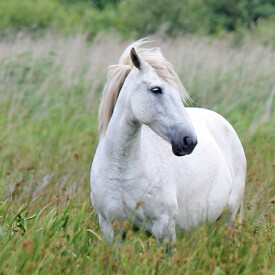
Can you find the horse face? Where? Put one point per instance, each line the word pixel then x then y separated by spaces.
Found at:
pixel 159 106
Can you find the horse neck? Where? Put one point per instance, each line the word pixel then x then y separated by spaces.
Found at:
pixel 122 138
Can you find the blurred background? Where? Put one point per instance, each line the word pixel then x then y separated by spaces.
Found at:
pixel 54 56
pixel 142 17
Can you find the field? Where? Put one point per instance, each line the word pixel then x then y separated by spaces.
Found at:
pixel 49 94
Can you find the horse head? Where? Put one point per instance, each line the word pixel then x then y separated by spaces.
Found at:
pixel 155 100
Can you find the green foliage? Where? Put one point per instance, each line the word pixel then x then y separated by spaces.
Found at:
pixel 230 15
pixel 195 16
pixel 28 14
pixel 101 4
pixel 38 15
pixel 139 17
pixel 146 17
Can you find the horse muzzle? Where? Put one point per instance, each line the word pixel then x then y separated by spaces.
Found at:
pixel 184 146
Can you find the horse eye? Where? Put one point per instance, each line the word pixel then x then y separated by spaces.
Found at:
pixel 156 90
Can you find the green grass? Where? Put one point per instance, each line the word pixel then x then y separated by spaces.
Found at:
pixel 49 91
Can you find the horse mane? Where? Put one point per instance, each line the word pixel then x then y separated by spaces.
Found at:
pixel 118 73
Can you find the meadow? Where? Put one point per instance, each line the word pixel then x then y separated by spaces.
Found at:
pixel 49 92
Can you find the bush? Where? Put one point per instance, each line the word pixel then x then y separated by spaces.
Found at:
pixel 148 16
pixel 28 14
pixel 210 16
pixel 41 14
pixel 141 17
pixel 232 14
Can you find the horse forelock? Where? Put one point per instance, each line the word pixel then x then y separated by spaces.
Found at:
pixel 118 73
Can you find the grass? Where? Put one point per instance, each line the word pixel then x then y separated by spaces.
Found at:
pixel 49 90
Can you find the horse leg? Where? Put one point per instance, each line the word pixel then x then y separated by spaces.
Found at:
pixel 232 213
pixel 240 220
pixel 235 201
pixel 106 229
pixel 164 229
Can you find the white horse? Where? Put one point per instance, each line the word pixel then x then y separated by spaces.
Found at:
pixel 135 175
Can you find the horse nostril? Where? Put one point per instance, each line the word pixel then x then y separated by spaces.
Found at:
pixel 187 141
pixel 189 144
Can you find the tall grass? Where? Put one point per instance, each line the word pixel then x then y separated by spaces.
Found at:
pixel 49 91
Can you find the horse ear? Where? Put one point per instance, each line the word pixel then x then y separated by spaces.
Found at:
pixel 135 58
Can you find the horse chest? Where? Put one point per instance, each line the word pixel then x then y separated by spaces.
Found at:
pixel 131 195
